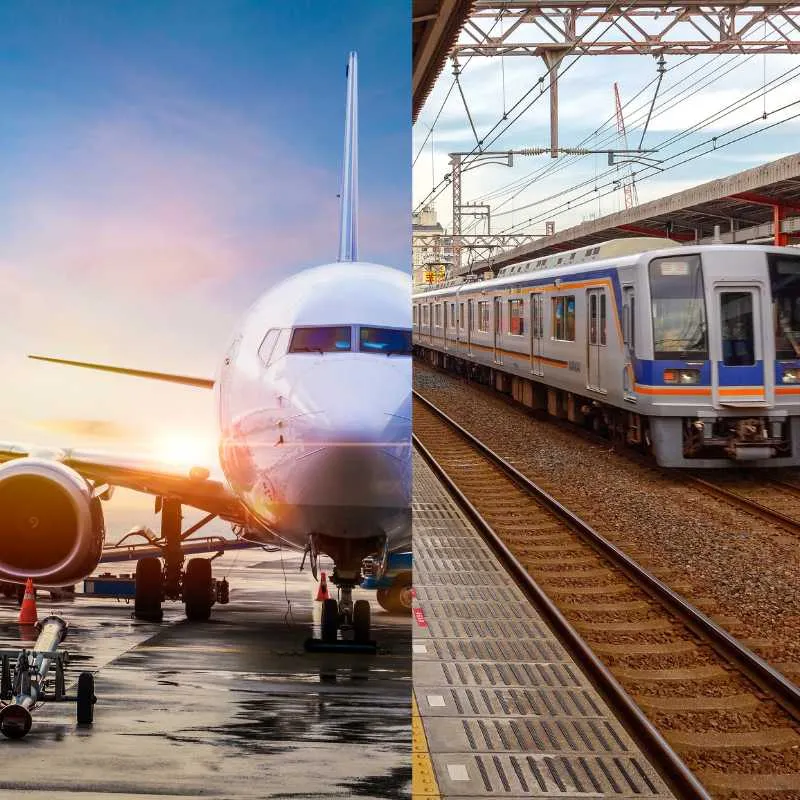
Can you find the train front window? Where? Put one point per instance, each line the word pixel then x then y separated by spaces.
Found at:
pixel 324 339
pixel 385 341
pixel 784 274
pixel 679 309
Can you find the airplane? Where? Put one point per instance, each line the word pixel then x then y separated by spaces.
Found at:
pixel 313 401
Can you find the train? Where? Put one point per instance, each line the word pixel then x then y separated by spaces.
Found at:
pixel 690 353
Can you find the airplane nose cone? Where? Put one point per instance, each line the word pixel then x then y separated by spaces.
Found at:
pixel 364 401
pixel 357 434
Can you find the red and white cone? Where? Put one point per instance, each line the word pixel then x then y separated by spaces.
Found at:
pixel 322 592
pixel 27 613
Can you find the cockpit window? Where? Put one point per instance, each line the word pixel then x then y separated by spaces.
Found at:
pixel 385 341
pixel 328 339
pixel 267 346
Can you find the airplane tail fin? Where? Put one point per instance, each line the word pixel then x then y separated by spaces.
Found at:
pixel 348 219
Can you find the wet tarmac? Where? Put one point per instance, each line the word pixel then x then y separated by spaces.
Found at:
pixel 232 708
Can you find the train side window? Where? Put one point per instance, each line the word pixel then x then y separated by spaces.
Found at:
pixel 425 315
pixel 461 315
pixel 516 322
pixel 592 318
pixel 564 318
pixel 268 345
pixel 437 316
pixel 603 318
pixel 632 332
pixel 414 312
pixel 452 315
pixel 483 315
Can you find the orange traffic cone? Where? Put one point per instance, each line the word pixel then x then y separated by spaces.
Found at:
pixel 28 614
pixel 322 592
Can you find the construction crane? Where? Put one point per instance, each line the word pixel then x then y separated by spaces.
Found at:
pixel 628 181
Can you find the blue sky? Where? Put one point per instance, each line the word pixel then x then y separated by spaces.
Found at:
pixel 732 87
pixel 161 165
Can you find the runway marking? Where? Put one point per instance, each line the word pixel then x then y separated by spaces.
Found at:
pixel 423 780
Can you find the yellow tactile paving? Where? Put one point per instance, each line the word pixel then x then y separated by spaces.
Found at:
pixel 423 783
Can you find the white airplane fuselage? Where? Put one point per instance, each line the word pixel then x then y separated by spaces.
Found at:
pixel 317 442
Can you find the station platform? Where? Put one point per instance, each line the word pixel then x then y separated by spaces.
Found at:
pixel 501 709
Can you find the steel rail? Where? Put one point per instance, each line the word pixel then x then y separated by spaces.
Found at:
pixel 766 677
pixel 747 503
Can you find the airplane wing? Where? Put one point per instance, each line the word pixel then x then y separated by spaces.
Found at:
pixel 186 380
pixel 193 486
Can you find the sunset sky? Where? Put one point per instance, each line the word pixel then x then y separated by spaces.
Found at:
pixel 161 165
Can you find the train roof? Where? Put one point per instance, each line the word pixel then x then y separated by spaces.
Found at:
pixel 575 266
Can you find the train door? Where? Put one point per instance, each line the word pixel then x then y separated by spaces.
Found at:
pixel 737 347
pixel 596 336
pixel 537 332
pixel 629 342
pixel 498 330
pixel 469 327
pixel 445 309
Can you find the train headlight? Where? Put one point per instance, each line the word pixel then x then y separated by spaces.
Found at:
pixel 791 375
pixel 683 376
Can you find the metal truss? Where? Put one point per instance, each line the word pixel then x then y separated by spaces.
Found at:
pixel 682 28
pixel 479 246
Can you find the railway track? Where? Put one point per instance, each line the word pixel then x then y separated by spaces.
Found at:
pixel 730 717
pixel 772 499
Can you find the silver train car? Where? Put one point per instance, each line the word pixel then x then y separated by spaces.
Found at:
pixel 690 353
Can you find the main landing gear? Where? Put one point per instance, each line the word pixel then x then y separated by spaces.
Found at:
pixel 156 583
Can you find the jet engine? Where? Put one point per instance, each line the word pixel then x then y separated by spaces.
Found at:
pixel 51 523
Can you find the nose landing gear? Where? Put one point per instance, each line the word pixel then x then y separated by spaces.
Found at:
pixel 351 619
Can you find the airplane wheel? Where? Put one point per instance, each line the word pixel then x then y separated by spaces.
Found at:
pixel 400 595
pixel 86 698
pixel 197 589
pixel 149 590
pixel 382 596
pixel 330 620
pixel 361 620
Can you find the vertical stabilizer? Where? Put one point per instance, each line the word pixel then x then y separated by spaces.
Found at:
pixel 348 221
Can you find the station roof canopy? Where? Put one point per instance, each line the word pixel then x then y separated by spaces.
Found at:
pixel 745 206
pixel 435 28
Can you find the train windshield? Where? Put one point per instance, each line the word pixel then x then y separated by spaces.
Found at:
pixel 323 339
pixel 385 341
pixel 784 275
pixel 679 309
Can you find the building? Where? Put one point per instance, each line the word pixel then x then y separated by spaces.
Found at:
pixel 432 250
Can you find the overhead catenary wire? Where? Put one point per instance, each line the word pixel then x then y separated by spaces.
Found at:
pixel 582 200
pixel 482 143
pixel 520 184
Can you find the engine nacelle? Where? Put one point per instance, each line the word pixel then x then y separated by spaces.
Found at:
pixel 51 525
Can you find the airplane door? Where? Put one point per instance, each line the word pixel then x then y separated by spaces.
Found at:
pixel 629 342
pixel 595 336
pixel 737 349
pixel 469 327
pixel 537 332
pixel 498 330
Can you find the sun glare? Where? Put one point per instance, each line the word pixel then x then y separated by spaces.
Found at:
pixel 185 449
